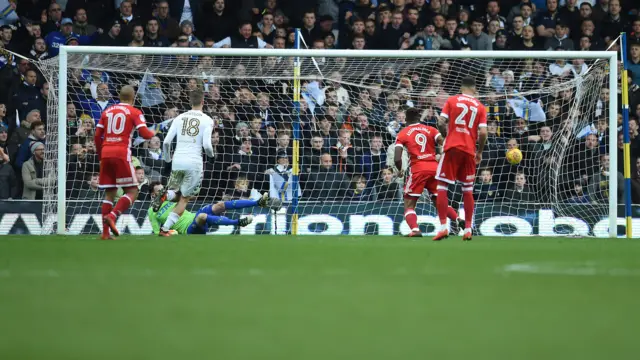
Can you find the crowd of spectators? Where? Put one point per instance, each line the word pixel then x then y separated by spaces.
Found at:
pixel 349 120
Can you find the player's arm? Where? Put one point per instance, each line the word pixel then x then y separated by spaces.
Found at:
pixel 482 138
pixel 443 118
pixel 397 157
pixel 439 142
pixel 97 137
pixel 155 225
pixel 397 153
pixel 166 145
pixel 206 142
pixel 442 124
pixel 141 126
pixel 482 134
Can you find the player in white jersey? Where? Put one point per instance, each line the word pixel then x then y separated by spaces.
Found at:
pixel 192 131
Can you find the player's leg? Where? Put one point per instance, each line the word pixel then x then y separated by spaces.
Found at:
pixel 190 181
pixel 412 191
pixel 445 176
pixel 467 172
pixel 264 201
pixel 166 194
pixel 442 205
pixel 214 217
pixel 107 207
pixel 456 223
pixel 199 225
pixel 175 214
pixel 241 204
pixel 203 220
pixel 223 220
pixel 124 203
pixel 170 192
pixel 126 179
pixel 107 181
pixel 410 215
pixel 126 200
pixel 469 205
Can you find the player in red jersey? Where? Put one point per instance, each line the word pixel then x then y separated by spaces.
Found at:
pixel 420 141
pixel 113 141
pixel 467 125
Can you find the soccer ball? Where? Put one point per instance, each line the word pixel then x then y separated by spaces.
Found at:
pixel 514 156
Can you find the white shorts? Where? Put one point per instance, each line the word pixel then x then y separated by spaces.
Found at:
pixel 187 181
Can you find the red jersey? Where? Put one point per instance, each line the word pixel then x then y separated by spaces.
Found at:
pixel 466 114
pixel 117 124
pixel 420 141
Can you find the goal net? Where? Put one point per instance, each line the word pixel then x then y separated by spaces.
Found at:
pixel 351 106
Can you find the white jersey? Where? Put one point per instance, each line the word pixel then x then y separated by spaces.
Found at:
pixel 193 132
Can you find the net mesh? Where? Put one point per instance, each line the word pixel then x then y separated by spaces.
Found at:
pixel 351 109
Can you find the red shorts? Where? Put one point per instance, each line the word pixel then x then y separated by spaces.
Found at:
pixel 417 182
pixel 115 172
pixel 456 165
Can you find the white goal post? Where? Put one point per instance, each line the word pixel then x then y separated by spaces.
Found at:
pixel 67 51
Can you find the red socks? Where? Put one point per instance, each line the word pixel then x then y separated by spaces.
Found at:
pixel 411 218
pixel 442 205
pixel 467 199
pixel 452 214
pixel 106 209
pixel 123 204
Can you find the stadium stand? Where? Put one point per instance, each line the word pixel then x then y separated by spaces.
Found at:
pixel 345 142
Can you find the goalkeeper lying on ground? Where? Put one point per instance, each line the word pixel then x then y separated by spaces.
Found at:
pixel 198 223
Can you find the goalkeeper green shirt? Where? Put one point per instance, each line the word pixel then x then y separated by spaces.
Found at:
pixel 158 218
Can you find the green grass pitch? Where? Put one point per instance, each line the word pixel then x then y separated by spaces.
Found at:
pixel 277 297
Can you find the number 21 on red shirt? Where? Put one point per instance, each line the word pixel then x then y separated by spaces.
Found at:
pixel 465 109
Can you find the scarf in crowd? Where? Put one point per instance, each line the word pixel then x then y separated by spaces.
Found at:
pixel 7 14
pixel 493 114
pixel 528 110
pixel 39 56
pixel 6 58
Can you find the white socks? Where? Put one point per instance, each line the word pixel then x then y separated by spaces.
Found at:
pixel 171 219
pixel 467 230
pixel 443 227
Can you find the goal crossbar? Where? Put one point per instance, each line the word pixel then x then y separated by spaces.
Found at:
pixel 124 50
pixel 610 56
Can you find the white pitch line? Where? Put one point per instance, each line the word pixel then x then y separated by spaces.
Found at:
pixel 566 269
pixel 148 273
pixel 546 269
pixel 400 271
pixel 50 273
pixel 205 272
pixel 336 272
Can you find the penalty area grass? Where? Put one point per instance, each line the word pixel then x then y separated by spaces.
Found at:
pixel 342 297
